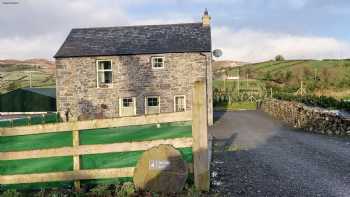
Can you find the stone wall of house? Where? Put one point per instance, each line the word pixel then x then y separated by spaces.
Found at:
pixel 133 76
pixel 310 119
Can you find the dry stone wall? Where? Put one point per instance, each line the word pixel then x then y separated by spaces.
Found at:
pixel 310 119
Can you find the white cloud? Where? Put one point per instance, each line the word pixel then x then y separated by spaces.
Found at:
pixel 44 46
pixel 249 45
pixel 37 28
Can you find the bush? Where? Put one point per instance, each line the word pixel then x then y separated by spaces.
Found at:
pixel 279 58
pixel 10 193
pixel 315 101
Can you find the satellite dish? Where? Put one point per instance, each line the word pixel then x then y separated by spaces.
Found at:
pixel 217 53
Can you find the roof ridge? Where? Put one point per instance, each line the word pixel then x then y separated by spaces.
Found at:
pixel 155 25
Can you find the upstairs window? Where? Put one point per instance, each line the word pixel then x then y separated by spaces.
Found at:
pixel 104 73
pixel 157 62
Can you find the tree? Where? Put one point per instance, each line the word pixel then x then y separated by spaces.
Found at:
pixel 279 58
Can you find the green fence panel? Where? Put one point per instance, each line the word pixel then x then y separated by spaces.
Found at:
pixel 122 159
pixel 186 154
pixel 6 123
pixel 20 122
pixel 41 165
pixel 36 120
pixel 37 141
pixel 51 118
pixel 136 133
pixel 110 160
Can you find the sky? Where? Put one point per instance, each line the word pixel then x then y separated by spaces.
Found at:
pixel 245 30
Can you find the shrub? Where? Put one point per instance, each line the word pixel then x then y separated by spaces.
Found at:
pixel 10 193
pixel 279 58
pixel 100 190
pixel 126 190
pixel 315 101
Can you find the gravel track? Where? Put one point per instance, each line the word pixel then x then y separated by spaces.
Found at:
pixel 254 155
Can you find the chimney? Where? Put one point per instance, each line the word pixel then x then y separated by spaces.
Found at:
pixel 206 19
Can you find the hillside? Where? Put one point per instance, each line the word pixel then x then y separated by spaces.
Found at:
pixel 220 67
pixel 15 73
pixel 321 77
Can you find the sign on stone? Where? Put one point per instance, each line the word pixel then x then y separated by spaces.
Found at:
pixel 159 164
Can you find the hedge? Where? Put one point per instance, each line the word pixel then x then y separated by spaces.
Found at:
pixel 315 101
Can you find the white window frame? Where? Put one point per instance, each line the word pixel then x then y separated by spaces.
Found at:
pixel 185 105
pixel 146 103
pixel 121 105
pixel 153 62
pixel 110 85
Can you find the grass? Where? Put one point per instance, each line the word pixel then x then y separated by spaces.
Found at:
pixel 20 79
pixel 236 106
pixel 326 77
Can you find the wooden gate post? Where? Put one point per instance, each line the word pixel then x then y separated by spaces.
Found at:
pixel 200 136
pixel 76 158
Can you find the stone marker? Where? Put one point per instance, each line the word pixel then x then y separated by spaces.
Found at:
pixel 161 169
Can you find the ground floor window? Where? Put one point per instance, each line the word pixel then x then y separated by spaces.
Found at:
pixel 152 105
pixel 127 106
pixel 179 103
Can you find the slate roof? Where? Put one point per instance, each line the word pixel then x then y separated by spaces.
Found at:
pixel 132 40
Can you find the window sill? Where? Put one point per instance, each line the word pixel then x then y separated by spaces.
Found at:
pixel 104 88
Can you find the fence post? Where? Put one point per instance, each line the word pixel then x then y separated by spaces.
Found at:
pixel 76 158
pixel 200 136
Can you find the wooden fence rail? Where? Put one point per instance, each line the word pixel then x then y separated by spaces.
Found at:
pixel 78 150
pixel 98 123
pixel 198 142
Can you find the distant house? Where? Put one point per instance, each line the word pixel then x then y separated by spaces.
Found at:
pixel 133 70
pixel 29 100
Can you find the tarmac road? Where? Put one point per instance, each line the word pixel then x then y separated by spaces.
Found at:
pixel 254 155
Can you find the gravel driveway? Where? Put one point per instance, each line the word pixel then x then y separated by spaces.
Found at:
pixel 253 155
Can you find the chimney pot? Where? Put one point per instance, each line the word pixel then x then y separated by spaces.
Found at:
pixel 206 18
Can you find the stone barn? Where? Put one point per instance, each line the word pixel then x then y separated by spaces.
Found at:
pixel 109 72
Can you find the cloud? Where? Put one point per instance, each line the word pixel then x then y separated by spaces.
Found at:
pixel 252 46
pixel 37 28
pixel 43 46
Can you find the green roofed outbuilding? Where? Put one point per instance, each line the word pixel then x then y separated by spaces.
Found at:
pixel 29 100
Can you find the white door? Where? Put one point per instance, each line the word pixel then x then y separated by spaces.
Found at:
pixel 180 104
pixel 127 106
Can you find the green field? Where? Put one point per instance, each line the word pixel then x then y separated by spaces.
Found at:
pixel 15 76
pixel 326 77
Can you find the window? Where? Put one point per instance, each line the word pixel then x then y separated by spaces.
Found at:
pixel 127 106
pixel 152 105
pixel 179 103
pixel 127 102
pixel 152 101
pixel 157 62
pixel 104 73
